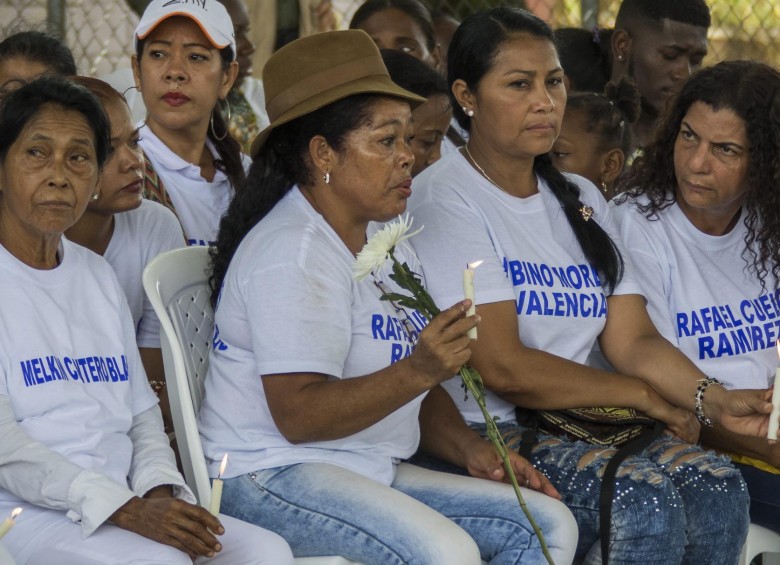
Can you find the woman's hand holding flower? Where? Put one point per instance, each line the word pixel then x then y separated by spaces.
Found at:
pixel 443 346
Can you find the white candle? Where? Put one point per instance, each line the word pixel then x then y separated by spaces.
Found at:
pixel 773 418
pixel 8 523
pixel 216 489
pixel 468 291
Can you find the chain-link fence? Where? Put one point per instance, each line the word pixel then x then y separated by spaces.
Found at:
pixel 99 32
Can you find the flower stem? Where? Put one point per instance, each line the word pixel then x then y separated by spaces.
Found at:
pixel 475 386
pixel 421 300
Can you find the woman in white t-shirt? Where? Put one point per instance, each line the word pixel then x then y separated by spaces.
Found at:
pixel 83 449
pixel 702 227
pixel 184 66
pixel 551 283
pixel 315 386
pixel 127 230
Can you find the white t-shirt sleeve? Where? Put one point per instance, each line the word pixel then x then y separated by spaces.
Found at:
pixel 649 267
pixel 153 461
pixel 40 475
pixel 445 253
pixel 167 236
pixel 310 333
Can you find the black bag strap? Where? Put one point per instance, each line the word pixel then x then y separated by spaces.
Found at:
pixel 633 447
pixel 636 445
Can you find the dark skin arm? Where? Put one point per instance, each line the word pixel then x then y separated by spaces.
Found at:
pixel 153 365
pixel 347 406
pixel 444 434
pixel 632 344
pixel 757 448
pixel 161 517
pixel 532 378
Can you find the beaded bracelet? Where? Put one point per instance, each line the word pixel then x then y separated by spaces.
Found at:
pixel 703 384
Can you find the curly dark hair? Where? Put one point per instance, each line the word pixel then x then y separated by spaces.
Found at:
pixel 752 91
pixel 282 162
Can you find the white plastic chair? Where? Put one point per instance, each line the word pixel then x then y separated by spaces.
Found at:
pixel 761 541
pixel 177 285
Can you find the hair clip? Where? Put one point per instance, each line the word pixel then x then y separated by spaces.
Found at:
pixel 586 212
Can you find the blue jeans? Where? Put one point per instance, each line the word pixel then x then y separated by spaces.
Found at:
pixel 425 517
pixel 674 503
pixel 764 489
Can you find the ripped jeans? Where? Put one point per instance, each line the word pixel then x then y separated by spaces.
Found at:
pixel 674 503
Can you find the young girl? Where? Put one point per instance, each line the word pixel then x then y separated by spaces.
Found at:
pixel 596 134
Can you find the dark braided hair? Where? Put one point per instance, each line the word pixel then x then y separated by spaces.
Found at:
pixel 283 161
pixel 472 52
pixel 228 149
pixel 752 91
pixel 609 115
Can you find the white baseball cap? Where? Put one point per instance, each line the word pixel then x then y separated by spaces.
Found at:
pixel 211 16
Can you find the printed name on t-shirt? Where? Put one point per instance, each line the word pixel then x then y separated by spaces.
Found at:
pixel 574 303
pixel 722 330
pixel 385 327
pixel 93 369
pixel 200 243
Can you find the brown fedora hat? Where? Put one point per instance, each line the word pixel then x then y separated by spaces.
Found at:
pixel 317 70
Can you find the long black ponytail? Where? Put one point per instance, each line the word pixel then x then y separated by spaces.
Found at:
pixel 599 249
pixel 282 162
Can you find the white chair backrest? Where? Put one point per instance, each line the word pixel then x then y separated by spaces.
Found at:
pixel 177 285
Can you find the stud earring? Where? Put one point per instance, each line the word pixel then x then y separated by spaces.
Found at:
pixel 620 58
pixel 326 177
pixel 469 113
pixel 96 196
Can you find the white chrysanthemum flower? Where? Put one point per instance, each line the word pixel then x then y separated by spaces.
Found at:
pixel 377 250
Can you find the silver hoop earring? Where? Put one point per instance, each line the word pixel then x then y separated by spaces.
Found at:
pixel 326 177
pixel 227 121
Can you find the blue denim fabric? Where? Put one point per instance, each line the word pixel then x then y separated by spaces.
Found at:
pixel 425 517
pixel 764 489
pixel 675 503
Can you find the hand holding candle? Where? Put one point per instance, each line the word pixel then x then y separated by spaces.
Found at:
pixel 8 523
pixel 216 489
pixel 468 291
pixel 773 424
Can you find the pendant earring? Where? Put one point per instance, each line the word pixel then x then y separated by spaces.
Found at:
pixel 604 187
pixel 326 177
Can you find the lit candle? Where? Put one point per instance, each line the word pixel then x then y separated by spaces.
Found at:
pixel 216 489
pixel 8 523
pixel 773 418
pixel 468 291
